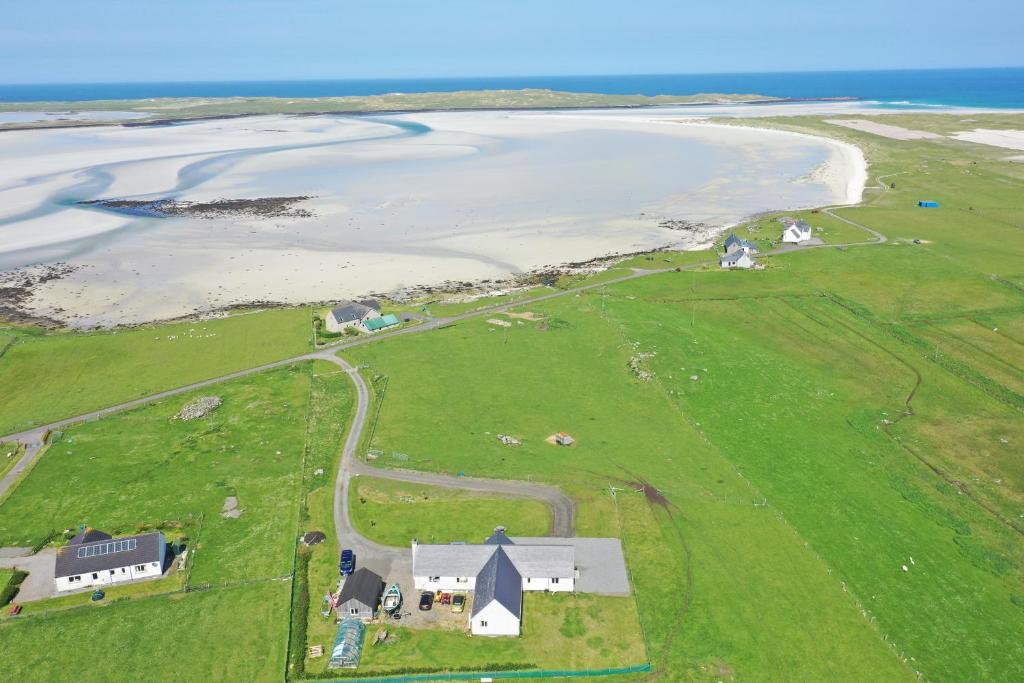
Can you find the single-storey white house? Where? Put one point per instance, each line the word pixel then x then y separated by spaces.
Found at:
pixel 498 572
pixel 94 558
pixel 352 314
pixel 734 243
pixel 799 231
pixel 737 259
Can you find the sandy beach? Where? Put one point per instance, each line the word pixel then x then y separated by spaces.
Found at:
pixel 394 202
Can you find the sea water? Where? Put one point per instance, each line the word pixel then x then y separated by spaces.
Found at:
pixel 995 88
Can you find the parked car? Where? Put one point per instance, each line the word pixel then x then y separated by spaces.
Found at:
pixel 347 565
pixel 426 601
pixel 458 602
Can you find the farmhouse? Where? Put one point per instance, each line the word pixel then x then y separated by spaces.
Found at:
pixel 352 314
pixel 94 558
pixel 498 571
pixel 799 231
pixel 734 243
pixel 360 596
pixel 737 259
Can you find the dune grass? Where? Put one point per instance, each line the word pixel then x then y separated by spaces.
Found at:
pixel 49 376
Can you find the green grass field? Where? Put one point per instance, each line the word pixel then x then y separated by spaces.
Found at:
pixel 237 634
pixel 838 495
pixel 394 513
pixel 824 446
pixel 264 445
pixel 49 376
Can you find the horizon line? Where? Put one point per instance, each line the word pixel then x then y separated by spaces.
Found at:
pixel 512 76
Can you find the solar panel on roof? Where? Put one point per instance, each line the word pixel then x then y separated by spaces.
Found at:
pixel 108 548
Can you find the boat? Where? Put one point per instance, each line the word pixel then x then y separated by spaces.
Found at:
pixel 392 599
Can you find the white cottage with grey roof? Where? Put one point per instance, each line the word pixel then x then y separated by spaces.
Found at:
pixel 352 314
pixel 494 571
pixel 796 232
pixel 94 558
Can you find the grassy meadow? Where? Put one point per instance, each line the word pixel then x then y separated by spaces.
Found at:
pixel 393 513
pixel 266 445
pixel 52 375
pixel 837 495
pixel 815 469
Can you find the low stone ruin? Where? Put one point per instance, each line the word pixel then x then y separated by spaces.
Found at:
pixel 199 408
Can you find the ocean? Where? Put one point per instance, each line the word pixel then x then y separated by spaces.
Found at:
pixel 1001 88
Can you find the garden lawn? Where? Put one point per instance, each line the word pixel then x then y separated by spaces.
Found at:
pixel 223 634
pixel 144 469
pixel 393 513
pixel 49 376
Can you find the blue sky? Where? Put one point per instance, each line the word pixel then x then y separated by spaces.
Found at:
pixel 139 40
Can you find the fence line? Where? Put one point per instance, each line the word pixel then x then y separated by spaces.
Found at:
pixel 476 675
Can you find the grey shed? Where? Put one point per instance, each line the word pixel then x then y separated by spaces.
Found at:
pixel 360 596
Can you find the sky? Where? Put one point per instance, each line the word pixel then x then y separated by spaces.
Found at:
pixel 73 41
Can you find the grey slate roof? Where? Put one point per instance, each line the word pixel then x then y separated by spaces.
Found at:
pixel 89 535
pixel 499 581
pixel 347 311
pixel 469 560
pixel 147 549
pixel 498 538
pixel 363 586
pixel 370 303
pixel 450 560
pixel 542 561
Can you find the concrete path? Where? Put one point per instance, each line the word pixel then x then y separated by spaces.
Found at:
pixel 38 585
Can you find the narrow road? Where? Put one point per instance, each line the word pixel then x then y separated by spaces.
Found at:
pixel 389 561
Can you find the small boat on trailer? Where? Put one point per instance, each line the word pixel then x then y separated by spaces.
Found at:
pixel 392 599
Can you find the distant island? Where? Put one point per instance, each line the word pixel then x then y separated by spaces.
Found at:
pixel 162 110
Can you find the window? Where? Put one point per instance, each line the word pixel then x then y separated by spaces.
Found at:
pixel 462 579
pixel 354 611
pixel 435 579
pixel 528 579
pixel 483 624
pixel 140 567
pixel 555 580
pixel 95 576
pixel 74 579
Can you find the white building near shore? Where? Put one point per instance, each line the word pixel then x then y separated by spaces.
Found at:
pixel 94 558
pixel 796 232
pixel 351 314
pixel 737 259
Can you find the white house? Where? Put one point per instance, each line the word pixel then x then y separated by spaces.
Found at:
pixel 498 602
pixel 352 314
pixel 737 259
pixel 94 558
pixel 799 231
pixel 494 571
pixel 734 243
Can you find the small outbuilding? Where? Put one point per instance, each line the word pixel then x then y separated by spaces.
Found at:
pixel 381 322
pixel 360 596
pixel 352 314
pixel 563 439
